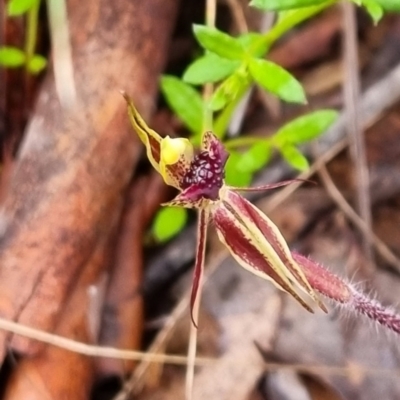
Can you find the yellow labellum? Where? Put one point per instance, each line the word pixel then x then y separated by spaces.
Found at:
pixel 173 149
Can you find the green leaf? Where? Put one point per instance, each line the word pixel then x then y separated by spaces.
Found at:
pixel 294 157
pixel 277 80
pixel 228 90
pixel 11 57
pixel 219 99
pixel 168 222
pixel 374 9
pixel 218 42
pixel 305 128
pixel 286 21
pixel 233 175
pixel 255 158
pixel 390 5
pixel 36 64
pixel 185 100
pixel 255 44
pixel 251 41
pixel 209 69
pixel 277 5
pixel 18 7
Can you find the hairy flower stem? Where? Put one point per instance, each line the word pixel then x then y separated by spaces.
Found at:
pixel 375 311
pixel 344 293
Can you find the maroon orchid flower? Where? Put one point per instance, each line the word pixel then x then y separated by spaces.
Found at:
pixel 252 238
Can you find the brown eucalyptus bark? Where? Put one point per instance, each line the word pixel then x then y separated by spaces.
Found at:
pixel 74 165
pixel 55 373
pixel 123 307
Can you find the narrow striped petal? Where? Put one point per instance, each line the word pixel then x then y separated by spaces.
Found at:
pixel 256 243
pixel 188 198
pixel 257 221
pixel 171 157
pixel 199 264
pixel 151 139
pixel 266 187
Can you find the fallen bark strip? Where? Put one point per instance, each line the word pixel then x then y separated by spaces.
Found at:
pixel 122 319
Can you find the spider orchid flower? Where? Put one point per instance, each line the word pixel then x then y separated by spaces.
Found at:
pixel 250 236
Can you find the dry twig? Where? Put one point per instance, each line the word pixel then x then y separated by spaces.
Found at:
pixel 355 131
pixel 339 199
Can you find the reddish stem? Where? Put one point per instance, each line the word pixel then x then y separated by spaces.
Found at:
pixel 344 293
